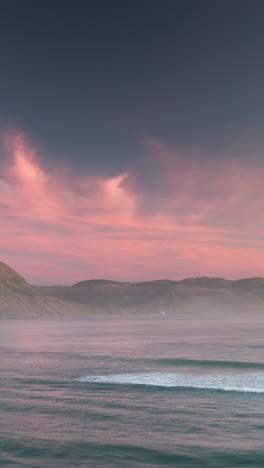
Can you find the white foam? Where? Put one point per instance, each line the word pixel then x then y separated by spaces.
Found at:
pixel 240 383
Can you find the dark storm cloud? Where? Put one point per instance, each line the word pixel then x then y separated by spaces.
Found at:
pixel 85 81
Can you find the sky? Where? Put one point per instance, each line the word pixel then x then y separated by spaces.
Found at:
pixel 131 139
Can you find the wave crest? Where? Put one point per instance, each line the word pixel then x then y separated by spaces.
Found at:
pixel 239 383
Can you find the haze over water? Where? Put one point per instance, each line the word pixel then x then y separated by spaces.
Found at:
pixel 132 392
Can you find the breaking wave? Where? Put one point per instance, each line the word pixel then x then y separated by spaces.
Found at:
pixel 239 383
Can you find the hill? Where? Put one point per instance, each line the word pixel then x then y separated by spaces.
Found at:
pixel 20 299
pixel 99 296
pixel 191 294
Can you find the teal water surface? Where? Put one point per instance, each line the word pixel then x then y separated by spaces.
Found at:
pixel 132 392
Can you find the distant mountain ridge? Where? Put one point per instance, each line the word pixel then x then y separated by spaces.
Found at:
pixel 99 296
pixel 163 295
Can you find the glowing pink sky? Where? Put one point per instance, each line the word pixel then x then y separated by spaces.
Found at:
pixel 195 220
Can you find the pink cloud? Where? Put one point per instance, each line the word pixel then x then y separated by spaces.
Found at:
pixel 198 219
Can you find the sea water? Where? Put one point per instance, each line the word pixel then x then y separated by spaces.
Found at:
pixel 172 391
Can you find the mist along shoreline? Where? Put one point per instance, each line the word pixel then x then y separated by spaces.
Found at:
pixel 187 315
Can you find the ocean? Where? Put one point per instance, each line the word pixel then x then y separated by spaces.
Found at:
pixel 117 392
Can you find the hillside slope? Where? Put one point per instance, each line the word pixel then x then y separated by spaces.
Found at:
pixel 20 299
pixel 165 295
